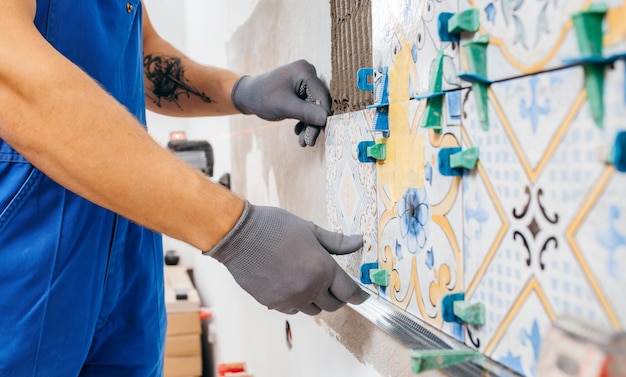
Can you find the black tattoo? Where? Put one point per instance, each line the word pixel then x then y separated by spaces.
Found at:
pixel 167 75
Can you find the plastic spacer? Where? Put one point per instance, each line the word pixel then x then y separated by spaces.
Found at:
pixel 447 307
pixel 442 28
pixel 365 79
pixel 380 277
pixel 362 154
pixel 466 21
pixel 466 158
pixel 444 162
pixel 619 152
pixel 365 272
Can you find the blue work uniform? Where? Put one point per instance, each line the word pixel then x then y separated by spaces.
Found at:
pixel 81 288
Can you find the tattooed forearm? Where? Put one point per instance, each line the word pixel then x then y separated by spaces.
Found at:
pixel 167 76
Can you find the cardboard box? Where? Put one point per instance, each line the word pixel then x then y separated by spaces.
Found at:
pixel 183 345
pixel 180 294
pixel 186 323
pixel 182 366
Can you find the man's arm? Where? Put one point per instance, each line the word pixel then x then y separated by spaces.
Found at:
pixel 177 85
pixel 68 127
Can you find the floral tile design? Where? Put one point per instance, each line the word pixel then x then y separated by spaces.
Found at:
pixel 413 25
pixel 538 229
pixel 562 212
pixel 351 185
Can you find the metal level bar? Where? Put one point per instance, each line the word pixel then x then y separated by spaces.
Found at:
pixel 415 334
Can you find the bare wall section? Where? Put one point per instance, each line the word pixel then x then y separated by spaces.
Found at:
pixel 351 43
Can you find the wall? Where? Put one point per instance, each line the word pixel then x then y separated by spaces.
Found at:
pixel 268 168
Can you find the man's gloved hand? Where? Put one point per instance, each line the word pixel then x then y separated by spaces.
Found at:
pixel 290 91
pixel 285 262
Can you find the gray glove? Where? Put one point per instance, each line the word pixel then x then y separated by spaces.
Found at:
pixel 285 262
pixel 290 91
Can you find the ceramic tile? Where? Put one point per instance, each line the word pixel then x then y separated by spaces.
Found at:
pixel 420 220
pixel 532 36
pixel 351 185
pixel 541 171
pixel 411 27
pixel 415 226
pixel 536 230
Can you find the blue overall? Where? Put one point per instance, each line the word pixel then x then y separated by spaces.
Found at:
pixel 81 288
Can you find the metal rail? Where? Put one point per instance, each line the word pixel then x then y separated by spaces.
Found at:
pixel 414 334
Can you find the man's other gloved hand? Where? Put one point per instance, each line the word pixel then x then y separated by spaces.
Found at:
pixel 285 262
pixel 290 91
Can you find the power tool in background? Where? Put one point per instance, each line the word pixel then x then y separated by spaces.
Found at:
pixel 197 153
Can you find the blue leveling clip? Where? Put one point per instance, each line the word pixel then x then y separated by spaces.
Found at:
pixel 453 160
pixel 381 118
pixel 365 79
pixel 619 152
pixel 365 272
pixel 454 308
pixel 369 151
pixel 442 28
pixel 362 151
pixel 447 307
pixel 444 162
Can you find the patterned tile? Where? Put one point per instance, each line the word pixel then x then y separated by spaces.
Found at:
pixel 537 230
pixel 351 186
pixel 413 25
pixel 531 36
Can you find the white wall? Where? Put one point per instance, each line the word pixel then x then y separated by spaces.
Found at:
pixel 242 329
pixel 193 27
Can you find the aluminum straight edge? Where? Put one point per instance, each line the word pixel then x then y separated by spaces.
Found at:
pixel 407 330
